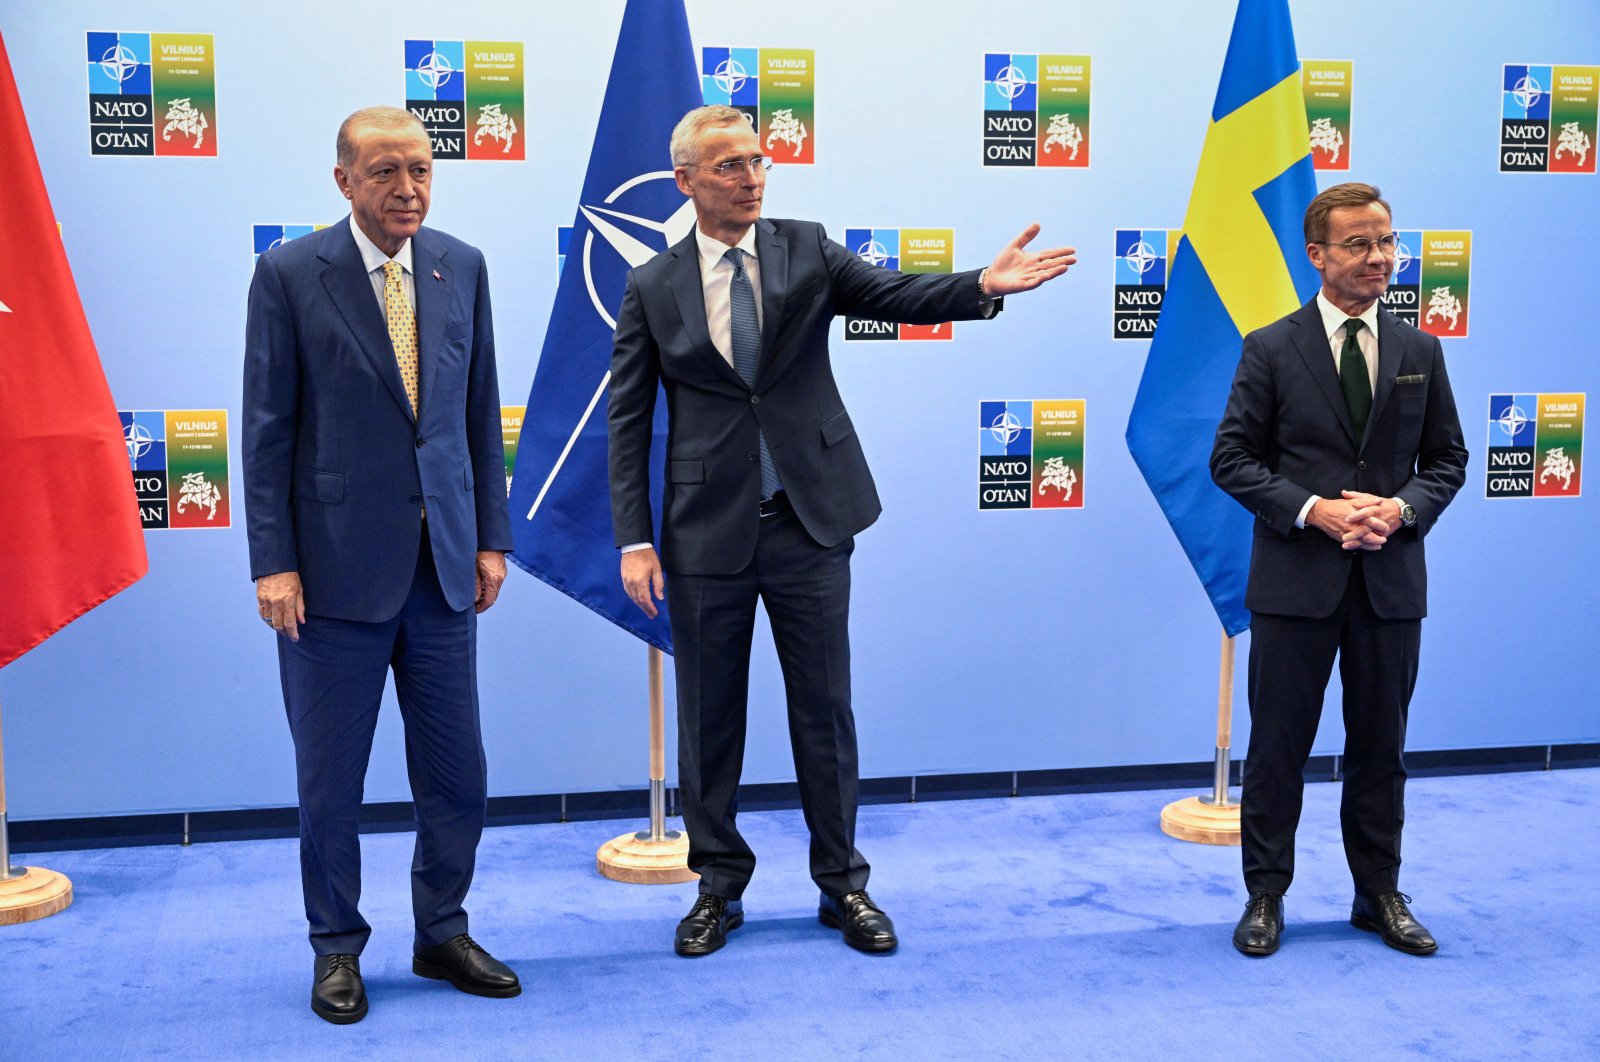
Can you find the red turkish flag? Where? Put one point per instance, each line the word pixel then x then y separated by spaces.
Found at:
pixel 70 535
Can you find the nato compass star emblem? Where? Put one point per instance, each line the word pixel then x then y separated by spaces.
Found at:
pixel 1011 81
pixel 639 219
pixel 1142 257
pixel 119 62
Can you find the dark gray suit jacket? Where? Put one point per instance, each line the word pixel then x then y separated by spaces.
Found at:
pixel 713 476
pixel 1287 434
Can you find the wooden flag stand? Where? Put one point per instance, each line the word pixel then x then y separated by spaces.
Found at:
pixel 1211 819
pixel 657 856
pixel 26 893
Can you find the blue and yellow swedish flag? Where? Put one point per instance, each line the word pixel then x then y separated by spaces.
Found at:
pixel 1240 265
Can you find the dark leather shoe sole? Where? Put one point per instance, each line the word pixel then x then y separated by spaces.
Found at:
pixel 1258 951
pixel 695 950
pixel 1371 926
pixel 339 1017
pixel 872 946
pixel 473 988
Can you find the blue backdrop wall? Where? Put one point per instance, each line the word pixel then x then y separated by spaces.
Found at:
pixel 983 640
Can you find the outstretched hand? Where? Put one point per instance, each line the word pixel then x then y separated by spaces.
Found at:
pixel 1016 269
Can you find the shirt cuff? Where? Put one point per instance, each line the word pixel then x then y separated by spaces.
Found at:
pixel 634 547
pixel 1305 511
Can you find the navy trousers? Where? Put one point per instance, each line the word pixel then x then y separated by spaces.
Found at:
pixel 1291 659
pixel 805 588
pixel 333 680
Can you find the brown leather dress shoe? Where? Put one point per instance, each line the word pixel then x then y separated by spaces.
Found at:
pixel 705 928
pixel 864 925
pixel 337 992
pixel 1387 915
pixel 1261 925
pixel 461 961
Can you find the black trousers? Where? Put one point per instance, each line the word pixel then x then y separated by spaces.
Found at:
pixel 805 589
pixel 1291 659
pixel 333 680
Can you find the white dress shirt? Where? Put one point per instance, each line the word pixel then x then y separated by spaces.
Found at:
pixel 374 259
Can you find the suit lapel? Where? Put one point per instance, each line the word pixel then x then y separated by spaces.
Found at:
pixel 690 294
pixel 1389 358
pixel 346 281
pixel 1313 348
pixel 772 250
pixel 432 285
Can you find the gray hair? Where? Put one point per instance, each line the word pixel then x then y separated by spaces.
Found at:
pixel 388 119
pixel 686 134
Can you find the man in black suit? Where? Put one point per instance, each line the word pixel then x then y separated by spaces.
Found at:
pixel 766 485
pixel 1341 436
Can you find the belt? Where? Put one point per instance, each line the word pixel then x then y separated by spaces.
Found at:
pixel 778 503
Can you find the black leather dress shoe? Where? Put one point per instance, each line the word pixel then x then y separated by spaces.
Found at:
pixel 462 962
pixel 337 993
pixel 1387 915
pixel 865 926
pixel 705 928
pixel 1261 924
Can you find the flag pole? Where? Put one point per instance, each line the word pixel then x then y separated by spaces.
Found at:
pixel 1211 819
pixel 26 893
pixel 657 856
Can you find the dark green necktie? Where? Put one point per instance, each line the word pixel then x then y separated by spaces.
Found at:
pixel 1353 376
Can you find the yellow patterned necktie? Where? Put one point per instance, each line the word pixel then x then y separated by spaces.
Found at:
pixel 402 328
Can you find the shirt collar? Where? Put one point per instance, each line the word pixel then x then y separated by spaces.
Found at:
pixel 1333 318
pixel 712 250
pixel 372 257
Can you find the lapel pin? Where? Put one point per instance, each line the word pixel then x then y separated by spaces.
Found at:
pixel 437 277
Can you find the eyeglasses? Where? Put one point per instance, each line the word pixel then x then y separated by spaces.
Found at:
pixel 733 169
pixel 1361 246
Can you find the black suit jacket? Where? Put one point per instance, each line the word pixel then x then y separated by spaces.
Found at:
pixel 713 476
pixel 1287 434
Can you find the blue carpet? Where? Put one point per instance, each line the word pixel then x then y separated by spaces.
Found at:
pixel 1040 927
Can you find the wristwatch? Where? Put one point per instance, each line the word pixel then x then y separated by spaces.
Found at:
pixel 1408 513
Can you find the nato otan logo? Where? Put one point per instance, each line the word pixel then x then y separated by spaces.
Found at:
pixel 776 91
pixel 1431 283
pixel 266 237
pixel 905 251
pixel 179 459
pixel 1535 446
pixel 152 94
pixel 1143 261
pixel 1035 110
pixel 1030 454
pixel 1548 118
pixel 469 96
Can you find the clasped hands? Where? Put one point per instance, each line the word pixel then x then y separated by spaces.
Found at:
pixel 1356 520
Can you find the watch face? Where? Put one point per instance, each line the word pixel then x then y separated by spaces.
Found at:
pixel 1408 515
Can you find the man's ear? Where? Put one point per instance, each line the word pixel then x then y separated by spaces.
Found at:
pixel 681 175
pixel 342 179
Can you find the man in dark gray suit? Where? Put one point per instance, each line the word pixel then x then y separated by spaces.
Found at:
pixel 1341 436
pixel 766 485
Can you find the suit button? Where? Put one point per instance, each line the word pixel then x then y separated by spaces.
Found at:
pixel 421 442
pixel 1362 465
pixel 416 499
pixel 755 400
pixel 752 455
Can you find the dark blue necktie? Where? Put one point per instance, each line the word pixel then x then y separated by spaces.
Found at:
pixel 745 334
